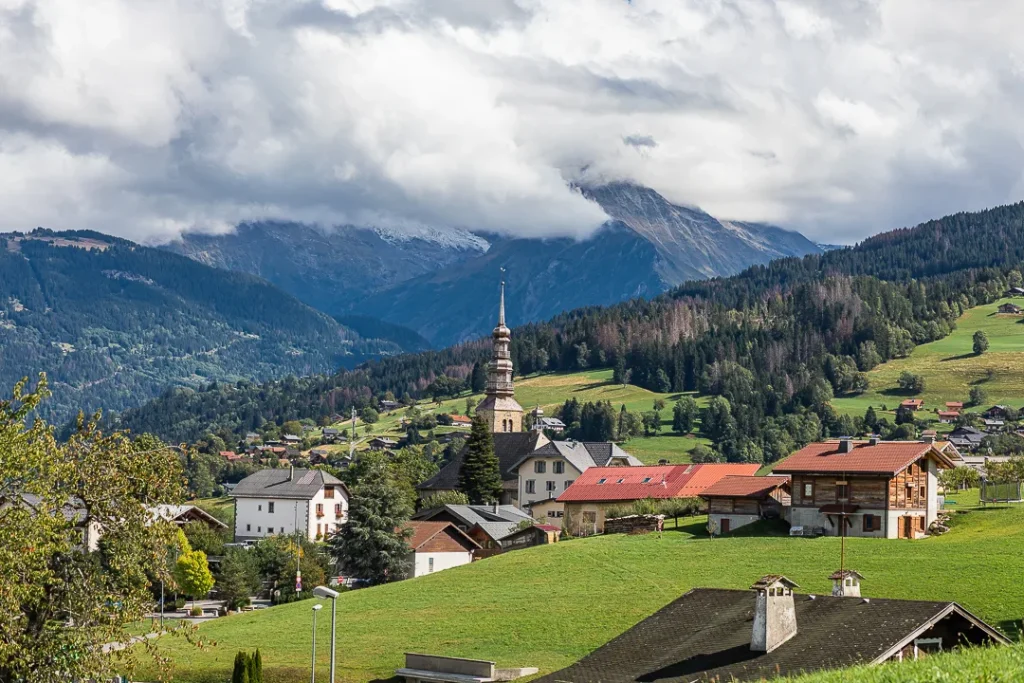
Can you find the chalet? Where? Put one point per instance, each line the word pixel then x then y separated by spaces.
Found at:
pixel 185 514
pixel 231 456
pixel 914 404
pixel 769 631
pixel 387 406
pixel 437 546
pixel 886 489
pixel 382 443
pixel 1009 309
pixel 461 421
pixel 955 406
pixel 291 438
pixel 966 438
pixel 599 488
pixel 1015 291
pixel 331 434
pixel 285 501
pixel 991 423
pixel 252 437
pixel 948 416
pixel 548 471
pixel 509 447
pixel 541 423
pixel 997 412
pixel 318 456
pixel 737 500
pixel 488 525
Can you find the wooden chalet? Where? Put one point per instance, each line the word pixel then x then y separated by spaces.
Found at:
pixel 886 489
pixel 738 500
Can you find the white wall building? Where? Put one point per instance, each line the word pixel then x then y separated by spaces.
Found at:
pixel 283 501
pixel 437 546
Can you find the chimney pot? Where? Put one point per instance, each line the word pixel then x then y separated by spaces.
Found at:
pixel 774 613
pixel 845 444
pixel 874 440
pixel 846 583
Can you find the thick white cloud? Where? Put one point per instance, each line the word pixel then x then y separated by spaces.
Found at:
pixel 148 117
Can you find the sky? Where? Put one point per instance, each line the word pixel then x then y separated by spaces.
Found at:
pixel 148 118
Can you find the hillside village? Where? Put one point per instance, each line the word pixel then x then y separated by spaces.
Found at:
pixel 553 491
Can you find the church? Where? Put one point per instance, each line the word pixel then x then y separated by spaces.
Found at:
pixel 519 451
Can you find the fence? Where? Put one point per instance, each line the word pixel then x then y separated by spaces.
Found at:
pixel 1001 493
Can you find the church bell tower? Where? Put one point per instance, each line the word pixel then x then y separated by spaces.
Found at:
pixel 500 409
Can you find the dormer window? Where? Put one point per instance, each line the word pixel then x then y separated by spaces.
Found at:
pixel 646 480
pixel 601 481
pixel 620 481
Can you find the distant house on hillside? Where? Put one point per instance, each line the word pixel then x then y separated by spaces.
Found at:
pixel 1010 309
pixel 966 438
pixel 997 412
pixel 437 546
pixel 331 434
pixel 382 443
pixel 588 498
pixel 541 423
pixel 388 406
pixel 1015 291
pixel 914 404
pixel 737 500
pixel 712 634
pixel 955 406
pixel 291 439
pixel 461 421
pixel 886 489
pixel 283 501
pixel 184 514
pixel 948 416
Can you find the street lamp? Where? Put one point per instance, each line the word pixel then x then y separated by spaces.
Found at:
pixel 312 670
pixel 325 592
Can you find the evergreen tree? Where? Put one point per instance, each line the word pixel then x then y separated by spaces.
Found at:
pixel 870 419
pixel 372 545
pixel 478 378
pixel 240 673
pixel 480 475
pixel 619 373
pixel 257 661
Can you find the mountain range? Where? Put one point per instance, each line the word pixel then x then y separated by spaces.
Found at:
pixel 113 323
pixel 442 284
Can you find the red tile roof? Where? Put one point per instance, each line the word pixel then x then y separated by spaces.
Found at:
pixel 744 487
pixel 461 419
pixel 662 481
pixel 438 537
pixel 887 457
pixel 954 404
pixel 916 402
pixel 949 413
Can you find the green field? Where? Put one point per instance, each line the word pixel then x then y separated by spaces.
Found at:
pixel 550 605
pixel 950 367
pixel 550 391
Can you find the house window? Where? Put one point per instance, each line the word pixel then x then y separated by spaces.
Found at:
pixel 841 492
pixel 248 527
pixel 645 480
pixel 259 508
pixel 539 466
pixel 319 509
pixel 259 530
pixel 601 481
pixel 328 492
pixel 430 564
pixel 924 492
pixel 337 509
pixel 270 508
pixel 318 532
pixel 551 486
pixel 568 483
pixel 620 481
pixel 872 523
pixel 531 486
pixel 558 467
pixel 809 490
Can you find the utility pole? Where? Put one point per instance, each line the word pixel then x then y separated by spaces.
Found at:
pixel 352 437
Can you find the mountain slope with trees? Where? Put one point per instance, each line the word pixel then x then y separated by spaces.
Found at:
pixel 113 323
pixel 773 344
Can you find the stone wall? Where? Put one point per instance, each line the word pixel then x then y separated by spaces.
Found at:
pixel 634 524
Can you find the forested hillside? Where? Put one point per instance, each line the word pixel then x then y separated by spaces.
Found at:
pixel 775 342
pixel 113 323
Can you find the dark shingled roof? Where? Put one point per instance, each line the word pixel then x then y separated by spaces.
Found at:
pixel 284 483
pixel 705 635
pixel 510 447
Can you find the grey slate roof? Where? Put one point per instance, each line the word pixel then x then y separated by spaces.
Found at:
pixel 496 522
pixel 285 483
pixel 705 635
pixel 582 454
pixel 509 447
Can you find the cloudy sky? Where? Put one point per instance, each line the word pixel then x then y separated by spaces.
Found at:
pixel 145 118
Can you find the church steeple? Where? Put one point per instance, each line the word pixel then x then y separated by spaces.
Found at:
pixel 499 408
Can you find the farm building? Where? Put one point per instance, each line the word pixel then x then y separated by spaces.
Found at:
pixel 712 634
pixel 1010 309
pixel 599 488
pixel 736 501
pixel 885 489
pixel 437 546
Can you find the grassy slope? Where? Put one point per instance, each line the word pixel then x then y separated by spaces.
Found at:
pixel 552 390
pixel 950 367
pixel 550 605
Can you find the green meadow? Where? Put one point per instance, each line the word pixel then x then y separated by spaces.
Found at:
pixel 550 605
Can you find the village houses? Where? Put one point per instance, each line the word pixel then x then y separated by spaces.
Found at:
pixel 288 500
pixel 437 546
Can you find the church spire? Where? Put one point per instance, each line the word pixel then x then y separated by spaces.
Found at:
pixel 501 305
pixel 499 407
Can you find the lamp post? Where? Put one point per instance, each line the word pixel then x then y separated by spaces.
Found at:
pixel 312 669
pixel 325 592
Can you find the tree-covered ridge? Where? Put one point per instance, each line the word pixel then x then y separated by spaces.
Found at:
pixel 117 323
pixel 774 341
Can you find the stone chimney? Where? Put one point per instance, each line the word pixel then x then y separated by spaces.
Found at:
pixel 874 439
pixel 495 507
pixel 846 584
pixel 774 613
pixel 928 438
pixel 845 444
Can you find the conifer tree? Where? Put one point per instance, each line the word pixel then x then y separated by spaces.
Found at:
pixel 480 476
pixel 240 673
pixel 372 545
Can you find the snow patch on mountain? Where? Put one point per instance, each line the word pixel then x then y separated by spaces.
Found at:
pixel 451 238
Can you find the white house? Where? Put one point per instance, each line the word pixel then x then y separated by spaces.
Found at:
pixel 439 545
pixel 284 501
pixel 549 470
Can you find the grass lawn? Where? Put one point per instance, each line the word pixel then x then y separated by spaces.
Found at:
pixel 950 367
pixel 548 606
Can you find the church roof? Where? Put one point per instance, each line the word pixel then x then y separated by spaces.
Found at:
pixel 510 447
pixel 500 403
